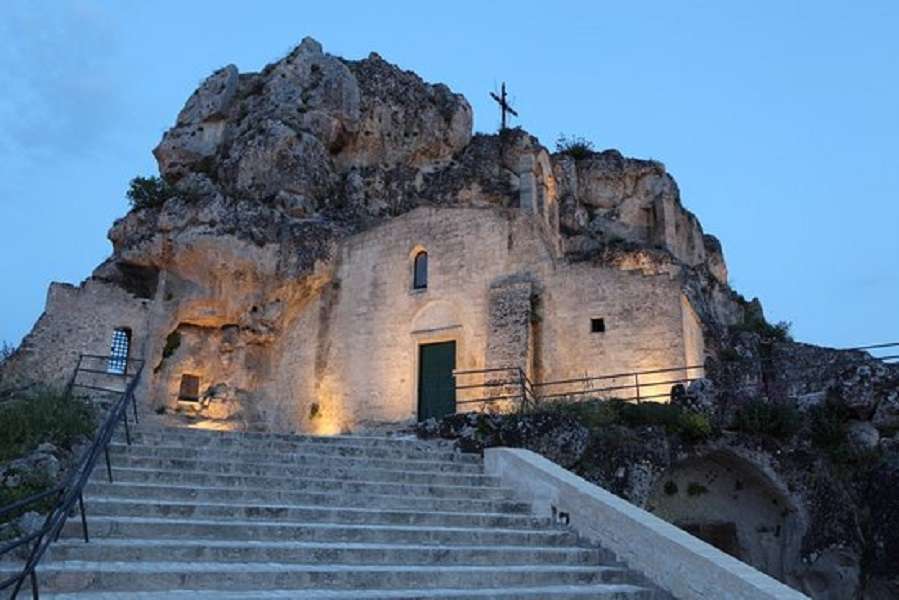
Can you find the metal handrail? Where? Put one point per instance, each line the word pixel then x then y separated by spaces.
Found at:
pixel 533 393
pixel 71 490
pixel 515 377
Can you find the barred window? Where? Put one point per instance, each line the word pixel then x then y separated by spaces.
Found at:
pixel 117 362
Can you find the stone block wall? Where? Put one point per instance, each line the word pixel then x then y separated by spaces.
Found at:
pixel 76 320
pixel 352 355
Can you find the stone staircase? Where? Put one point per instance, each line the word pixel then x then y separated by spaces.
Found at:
pixel 203 514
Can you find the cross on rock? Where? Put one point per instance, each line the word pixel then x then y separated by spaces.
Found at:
pixel 504 105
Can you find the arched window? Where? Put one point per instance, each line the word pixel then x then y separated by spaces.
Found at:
pixel 420 271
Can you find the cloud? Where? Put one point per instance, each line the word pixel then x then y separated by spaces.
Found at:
pixel 58 81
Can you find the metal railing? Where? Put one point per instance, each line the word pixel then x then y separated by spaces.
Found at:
pixel 888 353
pixel 623 384
pixel 513 385
pixel 71 490
pixel 502 384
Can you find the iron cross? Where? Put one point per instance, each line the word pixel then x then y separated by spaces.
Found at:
pixel 504 105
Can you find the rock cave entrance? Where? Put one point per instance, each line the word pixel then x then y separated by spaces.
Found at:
pixel 733 505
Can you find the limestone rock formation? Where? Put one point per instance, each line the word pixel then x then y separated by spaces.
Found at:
pixel 283 177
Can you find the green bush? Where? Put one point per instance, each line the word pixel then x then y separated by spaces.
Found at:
pixel 575 146
pixel 149 192
pixel 593 414
pixel 31 484
pixel 729 355
pixel 777 419
pixel 694 426
pixel 43 416
pixel 828 425
pixel 598 414
pixel 779 332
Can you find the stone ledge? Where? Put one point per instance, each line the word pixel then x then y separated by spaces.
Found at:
pixel 679 563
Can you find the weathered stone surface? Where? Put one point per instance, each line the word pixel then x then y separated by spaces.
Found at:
pixel 212 99
pixel 559 438
pixel 886 416
pixel 404 120
pixel 862 435
pixel 277 159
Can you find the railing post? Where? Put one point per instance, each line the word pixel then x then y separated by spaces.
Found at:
pixel 71 382
pixel 108 465
pixel 35 595
pixel 134 407
pixel 524 391
pixel 83 518
pixel 127 429
pixel 637 386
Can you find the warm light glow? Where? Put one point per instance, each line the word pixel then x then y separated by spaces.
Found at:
pixel 213 425
pixel 328 420
pixel 326 426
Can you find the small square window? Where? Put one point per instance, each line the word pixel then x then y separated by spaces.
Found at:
pixel 597 325
pixel 190 388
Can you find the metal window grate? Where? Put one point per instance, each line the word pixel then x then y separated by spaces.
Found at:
pixel 118 352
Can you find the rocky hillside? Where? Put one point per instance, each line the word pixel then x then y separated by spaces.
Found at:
pixel 787 457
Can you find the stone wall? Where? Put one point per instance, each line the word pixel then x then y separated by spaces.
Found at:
pixel 77 320
pixel 353 356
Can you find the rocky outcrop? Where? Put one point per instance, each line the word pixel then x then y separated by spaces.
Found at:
pixel 795 472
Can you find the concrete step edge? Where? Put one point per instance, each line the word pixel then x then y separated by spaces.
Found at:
pixel 90 500
pixel 590 591
pixel 149 451
pixel 149 542
pixel 100 473
pixel 320 525
pixel 138 485
pixel 276 466
pixel 150 567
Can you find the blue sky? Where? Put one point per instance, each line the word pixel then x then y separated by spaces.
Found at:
pixel 779 120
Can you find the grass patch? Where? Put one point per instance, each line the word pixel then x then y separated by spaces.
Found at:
pixel 829 425
pixel 32 483
pixel 43 416
pixel 777 419
pixel 575 146
pixel 597 414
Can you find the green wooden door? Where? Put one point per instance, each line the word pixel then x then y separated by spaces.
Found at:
pixel 436 388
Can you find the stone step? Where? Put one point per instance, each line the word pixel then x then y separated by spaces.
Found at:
pixel 118 450
pixel 200 478
pixel 99 487
pixel 399 451
pixel 140 549
pixel 213 465
pixel 125 576
pixel 407 440
pixel 153 507
pixel 246 530
pixel 561 592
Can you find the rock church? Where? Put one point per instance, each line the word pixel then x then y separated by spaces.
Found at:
pixel 337 242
